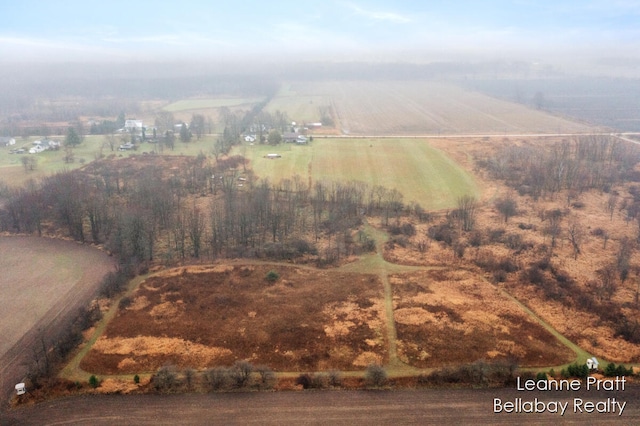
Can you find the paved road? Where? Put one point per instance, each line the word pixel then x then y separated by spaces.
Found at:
pixel 400 407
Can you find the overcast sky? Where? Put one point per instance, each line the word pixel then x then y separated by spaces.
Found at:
pixel 324 29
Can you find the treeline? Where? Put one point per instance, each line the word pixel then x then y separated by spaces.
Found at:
pixel 61 94
pixel 588 162
pixel 156 208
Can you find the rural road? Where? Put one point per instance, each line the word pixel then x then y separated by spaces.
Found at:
pixel 622 136
pixel 398 407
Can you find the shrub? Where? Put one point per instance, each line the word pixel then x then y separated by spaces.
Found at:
pixel 612 370
pixel 94 382
pixel 579 371
pixel 422 245
pixel 288 250
pixel 499 276
pixel 375 375
pixel 443 233
pixel 189 377
pixel 136 379
pixel 459 248
pixel 165 379
pixel 304 380
pixel 408 229
pixel 267 377
pixel 335 378
pixel 486 259
pixel 241 373
pixel 272 276
pixel 479 373
pixel 369 245
pixel 533 274
pixel 513 241
pixel 125 302
pixel 400 240
pixel 507 265
pixel 475 239
pixel 495 235
pixel 313 381
pixel 217 378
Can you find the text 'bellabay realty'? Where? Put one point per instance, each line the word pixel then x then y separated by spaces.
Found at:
pixel 610 405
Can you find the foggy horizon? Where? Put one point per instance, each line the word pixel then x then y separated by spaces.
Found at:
pixel 589 38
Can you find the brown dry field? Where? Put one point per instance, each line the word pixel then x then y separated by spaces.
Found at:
pixel 313 320
pixel 308 320
pixel 397 407
pixel 582 327
pixel 418 108
pixel 43 281
pixel 451 317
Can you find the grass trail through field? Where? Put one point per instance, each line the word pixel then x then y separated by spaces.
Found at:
pixel 72 370
pixel 371 263
pixel 375 263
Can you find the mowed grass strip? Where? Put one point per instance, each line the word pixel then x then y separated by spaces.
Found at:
pixel 420 172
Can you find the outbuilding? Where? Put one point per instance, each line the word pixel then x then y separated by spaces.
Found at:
pixel 21 389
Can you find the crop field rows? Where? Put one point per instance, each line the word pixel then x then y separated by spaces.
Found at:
pixel 422 107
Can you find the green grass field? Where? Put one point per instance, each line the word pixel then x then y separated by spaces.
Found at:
pixel 193 104
pixel 300 104
pixel 422 173
pixel 13 173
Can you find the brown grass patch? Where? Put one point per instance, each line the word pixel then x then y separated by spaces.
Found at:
pixel 451 317
pixel 307 321
pixel 591 328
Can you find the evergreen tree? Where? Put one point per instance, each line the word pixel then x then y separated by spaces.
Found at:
pixel 185 134
pixel 72 139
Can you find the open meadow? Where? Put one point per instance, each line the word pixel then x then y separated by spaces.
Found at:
pixel 420 172
pixel 409 294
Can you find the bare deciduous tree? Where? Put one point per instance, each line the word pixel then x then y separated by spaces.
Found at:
pixel 575 235
pixel 611 205
pixel 507 206
pixel 466 212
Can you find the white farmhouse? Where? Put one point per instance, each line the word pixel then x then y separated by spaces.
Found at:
pixel 37 149
pixel 133 126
